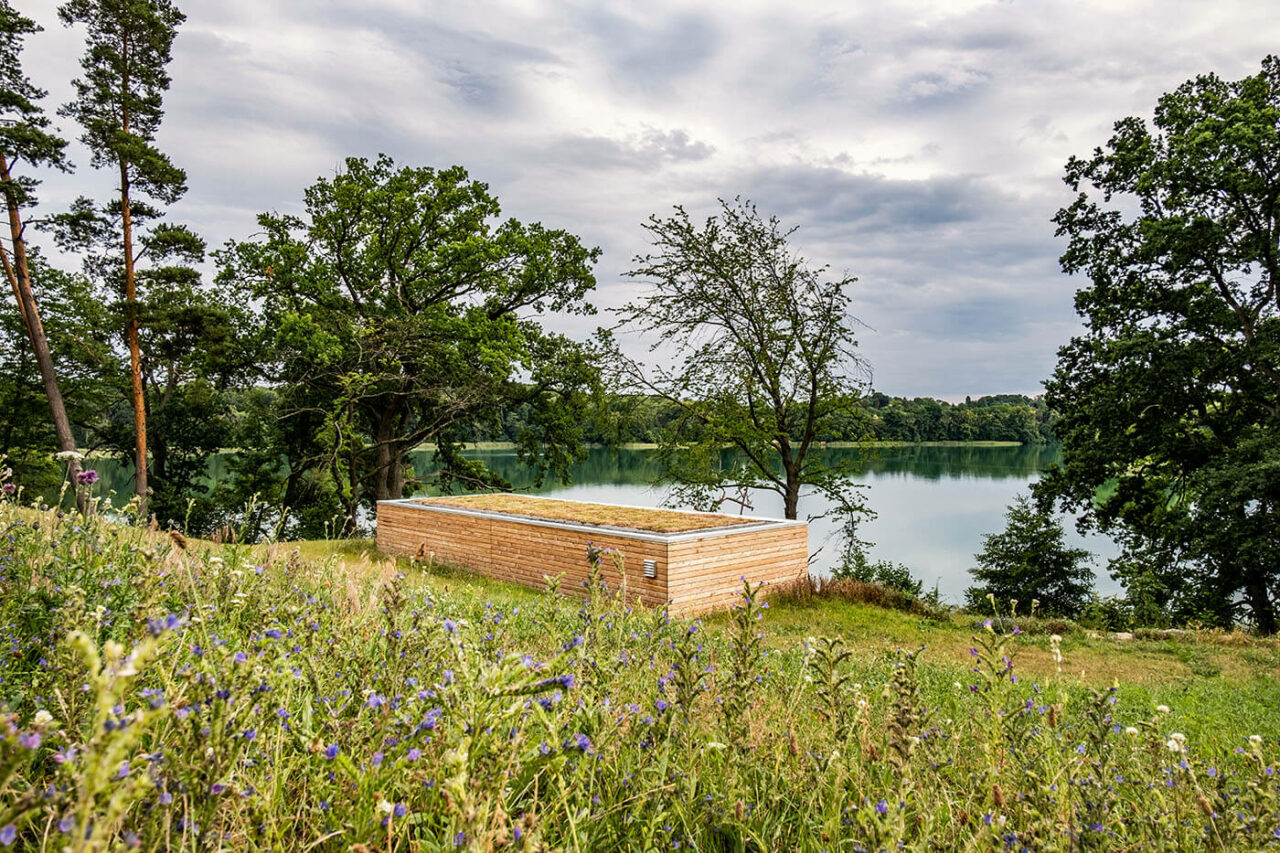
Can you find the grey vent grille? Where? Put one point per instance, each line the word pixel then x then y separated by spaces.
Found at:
pixel 651 568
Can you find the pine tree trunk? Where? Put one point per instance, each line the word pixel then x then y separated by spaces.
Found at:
pixel 19 275
pixel 135 350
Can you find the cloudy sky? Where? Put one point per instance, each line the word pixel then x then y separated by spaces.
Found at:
pixel 917 145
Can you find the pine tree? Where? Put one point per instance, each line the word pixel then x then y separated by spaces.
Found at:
pixel 119 104
pixel 27 139
pixel 1030 561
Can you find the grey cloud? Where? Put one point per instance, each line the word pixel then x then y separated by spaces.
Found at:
pixel 650 53
pixel 647 151
pixel 865 202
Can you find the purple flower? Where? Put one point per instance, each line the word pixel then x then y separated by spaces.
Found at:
pixel 460 839
pixel 9 489
pixel 882 807
pixel 273 634
pixel 452 628
pixel 332 752
pixel 400 810
pixel 250 734
pixel 579 741
pixel 170 622
pixel 240 657
pixel 67 824
pixel 30 741
pixel 414 754
pixel 376 761
pixel 217 788
pixel 8 834
pixel 87 478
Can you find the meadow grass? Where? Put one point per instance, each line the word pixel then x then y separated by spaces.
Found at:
pixel 165 694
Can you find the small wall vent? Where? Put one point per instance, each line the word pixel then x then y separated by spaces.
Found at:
pixel 651 568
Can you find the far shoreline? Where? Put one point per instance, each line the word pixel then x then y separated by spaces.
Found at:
pixel 830 445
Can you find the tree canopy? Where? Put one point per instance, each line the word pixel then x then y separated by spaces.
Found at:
pixel 1170 400
pixel 396 312
pixel 763 357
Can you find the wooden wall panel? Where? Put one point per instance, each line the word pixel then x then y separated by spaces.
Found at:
pixel 710 571
pixel 523 553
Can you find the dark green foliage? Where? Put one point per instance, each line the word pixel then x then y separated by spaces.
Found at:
pixel 393 315
pixel 1030 561
pixel 119 98
pixel 1172 396
pixel 856 566
pixel 72 318
pixel 24 128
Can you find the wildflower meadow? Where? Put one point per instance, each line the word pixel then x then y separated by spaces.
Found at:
pixel 166 694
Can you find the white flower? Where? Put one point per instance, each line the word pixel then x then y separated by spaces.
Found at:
pixel 1179 737
pixel 385 807
pixel 1256 740
pixel 1162 709
pixel 1131 731
pixel 44 718
pixel 956 685
pixel 68 455
pixel 1173 745
pixel 217 561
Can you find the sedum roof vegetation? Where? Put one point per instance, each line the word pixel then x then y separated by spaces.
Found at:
pixel 634 517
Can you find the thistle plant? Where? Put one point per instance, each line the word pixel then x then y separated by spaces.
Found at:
pixel 834 687
pixel 907 712
pixel 745 659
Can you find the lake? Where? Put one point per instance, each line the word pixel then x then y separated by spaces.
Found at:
pixel 933 503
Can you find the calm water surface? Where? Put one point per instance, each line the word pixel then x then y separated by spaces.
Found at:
pixel 933 504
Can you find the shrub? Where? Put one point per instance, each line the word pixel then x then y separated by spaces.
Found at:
pixel 1030 561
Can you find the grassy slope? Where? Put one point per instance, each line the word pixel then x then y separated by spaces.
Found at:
pixel 1221 689
pixel 1218 684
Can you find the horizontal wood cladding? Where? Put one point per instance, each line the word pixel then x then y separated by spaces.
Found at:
pixel 695 572
pixel 710 571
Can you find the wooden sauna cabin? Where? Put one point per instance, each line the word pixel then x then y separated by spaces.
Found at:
pixel 693 560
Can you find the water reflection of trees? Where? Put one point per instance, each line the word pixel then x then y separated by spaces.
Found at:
pixel 639 468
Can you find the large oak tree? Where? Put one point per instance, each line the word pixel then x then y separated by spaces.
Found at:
pixel 1170 399
pixel 398 311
